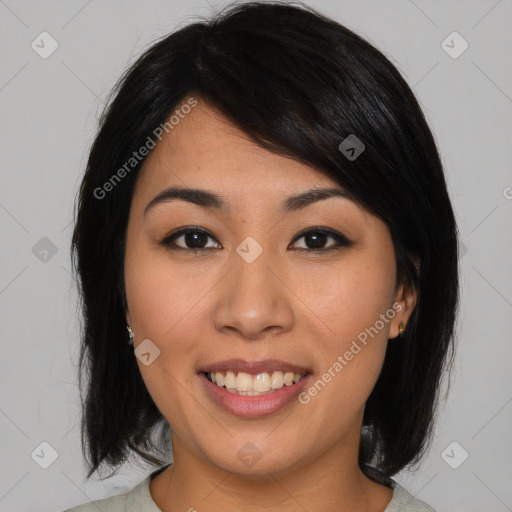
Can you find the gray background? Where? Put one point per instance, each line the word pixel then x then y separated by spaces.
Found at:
pixel 49 109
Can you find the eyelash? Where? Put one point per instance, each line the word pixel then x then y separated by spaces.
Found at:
pixel 341 240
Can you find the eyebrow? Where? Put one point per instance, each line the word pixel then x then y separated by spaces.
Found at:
pixel 207 199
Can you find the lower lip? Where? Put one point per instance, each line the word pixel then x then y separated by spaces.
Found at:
pixel 253 406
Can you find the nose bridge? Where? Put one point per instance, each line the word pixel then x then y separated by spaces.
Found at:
pixel 251 298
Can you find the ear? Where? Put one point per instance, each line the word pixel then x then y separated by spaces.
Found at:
pixel 128 318
pixel 404 304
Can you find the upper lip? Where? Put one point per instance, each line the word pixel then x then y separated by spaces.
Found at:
pixel 253 367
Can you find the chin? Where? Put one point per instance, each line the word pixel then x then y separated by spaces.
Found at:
pixel 252 459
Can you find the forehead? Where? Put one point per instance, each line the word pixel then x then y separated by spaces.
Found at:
pixel 205 150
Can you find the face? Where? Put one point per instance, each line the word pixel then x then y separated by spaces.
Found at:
pixel 259 295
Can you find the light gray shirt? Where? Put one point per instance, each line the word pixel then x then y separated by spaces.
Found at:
pixel 139 500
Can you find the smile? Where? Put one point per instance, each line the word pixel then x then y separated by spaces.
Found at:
pixel 253 389
pixel 245 384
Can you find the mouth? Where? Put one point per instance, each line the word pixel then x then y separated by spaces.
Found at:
pixel 245 384
pixel 253 389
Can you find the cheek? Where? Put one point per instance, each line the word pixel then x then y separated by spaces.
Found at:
pixel 348 298
pixel 165 307
pixel 354 304
pixel 160 294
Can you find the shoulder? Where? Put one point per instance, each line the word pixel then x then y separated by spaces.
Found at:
pixel 137 500
pixel 112 504
pixel 403 501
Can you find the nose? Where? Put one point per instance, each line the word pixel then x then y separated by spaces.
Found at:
pixel 253 299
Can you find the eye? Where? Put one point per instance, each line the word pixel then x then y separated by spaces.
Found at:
pixel 316 238
pixel 193 237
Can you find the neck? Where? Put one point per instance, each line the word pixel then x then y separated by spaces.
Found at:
pixel 332 482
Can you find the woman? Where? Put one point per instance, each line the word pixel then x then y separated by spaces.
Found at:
pixel 268 264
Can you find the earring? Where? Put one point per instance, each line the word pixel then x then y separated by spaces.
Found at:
pixel 401 329
pixel 130 334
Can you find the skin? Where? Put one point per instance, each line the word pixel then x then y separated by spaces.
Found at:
pixel 291 303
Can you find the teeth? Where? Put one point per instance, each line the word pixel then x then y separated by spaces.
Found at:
pixel 219 378
pixel 261 382
pixel 288 378
pixel 229 380
pixel 277 380
pixel 245 384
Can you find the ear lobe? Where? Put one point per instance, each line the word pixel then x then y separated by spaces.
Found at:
pixel 407 298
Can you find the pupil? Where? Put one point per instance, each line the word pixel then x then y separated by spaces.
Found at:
pixel 191 239
pixel 318 237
